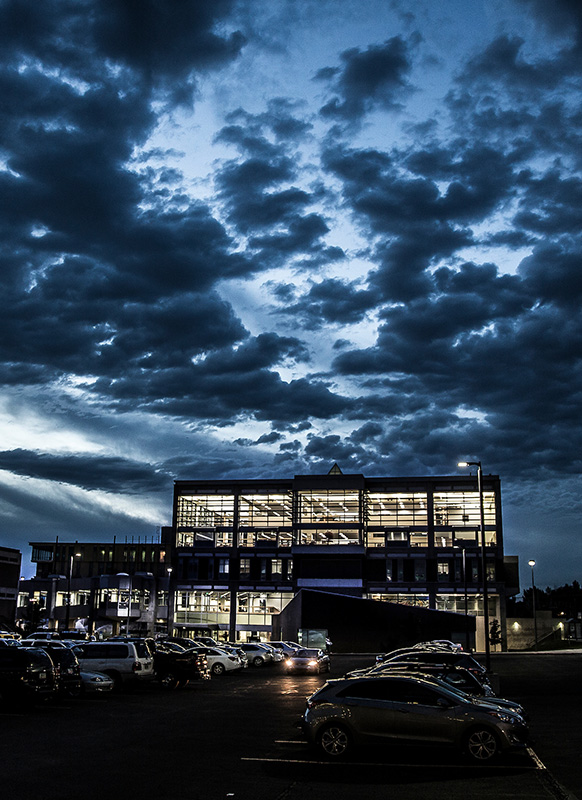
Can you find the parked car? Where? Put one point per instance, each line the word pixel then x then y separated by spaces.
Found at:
pixel 349 712
pixel 307 660
pixel 95 682
pixel 206 641
pixel 236 651
pixel 276 654
pixel 458 679
pixel 439 644
pixel 6 642
pixel 183 641
pixel 26 674
pixel 440 657
pixel 43 635
pixel 126 662
pixel 285 647
pixel 9 636
pixel 177 667
pixel 228 647
pixel 76 636
pixel 257 655
pixel 67 667
pixel 391 653
pixel 219 661
pixel 454 674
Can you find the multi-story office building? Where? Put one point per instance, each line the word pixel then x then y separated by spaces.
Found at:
pixel 98 585
pixel 10 561
pixel 244 548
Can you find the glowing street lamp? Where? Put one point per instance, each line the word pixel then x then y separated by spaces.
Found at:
pixel 532 564
pixel 483 557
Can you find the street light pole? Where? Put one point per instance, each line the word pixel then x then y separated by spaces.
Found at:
pixel 532 564
pixel 129 605
pixel 483 558
pixel 169 603
pixel 463 546
pixel 69 576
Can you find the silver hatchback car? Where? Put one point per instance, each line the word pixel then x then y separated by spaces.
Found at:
pixel 347 712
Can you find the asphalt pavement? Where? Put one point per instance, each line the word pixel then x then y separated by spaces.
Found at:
pixel 235 737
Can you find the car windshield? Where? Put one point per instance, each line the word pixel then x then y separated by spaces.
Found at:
pixel 307 654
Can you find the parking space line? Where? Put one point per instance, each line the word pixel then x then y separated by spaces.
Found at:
pixel 550 783
pixel 535 758
pixel 384 764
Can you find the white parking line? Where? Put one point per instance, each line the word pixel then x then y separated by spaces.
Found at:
pixel 551 784
pixel 534 757
pixel 383 764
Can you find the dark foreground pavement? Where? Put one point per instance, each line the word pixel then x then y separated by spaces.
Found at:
pixel 234 737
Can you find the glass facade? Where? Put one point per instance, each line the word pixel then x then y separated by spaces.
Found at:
pixel 265 510
pixel 461 509
pixel 409 541
pixel 212 609
pixel 205 511
pixel 395 509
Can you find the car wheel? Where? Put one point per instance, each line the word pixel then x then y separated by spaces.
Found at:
pixel 169 681
pixel 217 669
pixel 334 740
pixel 482 745
pixel 257 661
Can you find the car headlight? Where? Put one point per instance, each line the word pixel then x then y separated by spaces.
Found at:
pixel 312 663
pixel 289 663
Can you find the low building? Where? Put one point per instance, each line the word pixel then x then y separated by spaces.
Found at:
pixel 97 585
pixel 356 625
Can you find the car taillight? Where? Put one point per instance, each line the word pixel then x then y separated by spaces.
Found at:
pixel 136 666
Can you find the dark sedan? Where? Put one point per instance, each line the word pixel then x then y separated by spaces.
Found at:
pixel 175 668
pixel 307 660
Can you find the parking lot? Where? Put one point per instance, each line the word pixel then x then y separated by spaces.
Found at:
pixel 234 737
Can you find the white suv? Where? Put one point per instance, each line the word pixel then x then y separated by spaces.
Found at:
pixel 124 662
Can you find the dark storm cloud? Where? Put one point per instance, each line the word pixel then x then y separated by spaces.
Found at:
pixel 224 390
pixel 267 438
pixel 111 274
pixel 561 16
pixel 108 271
pixel 332 301
pixel 373 78
pixel 91 472
pixel 258 195
pixel 160 43
pixel 554 273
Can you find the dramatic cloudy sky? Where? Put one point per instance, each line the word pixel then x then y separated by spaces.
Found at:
pixel 257 237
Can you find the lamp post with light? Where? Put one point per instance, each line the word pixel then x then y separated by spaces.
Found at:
pixel 483 557
pixel 69 577
pixel 532 564
pixel 169 602
pixel 463 546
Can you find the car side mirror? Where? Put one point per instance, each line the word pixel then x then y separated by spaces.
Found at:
pixel 442 703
